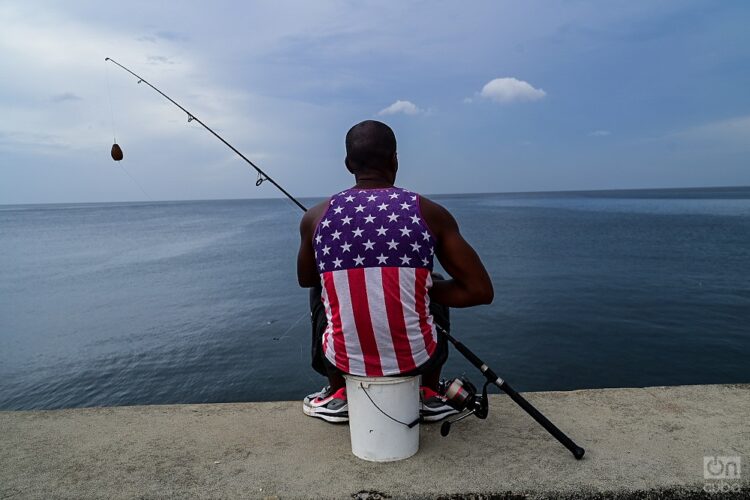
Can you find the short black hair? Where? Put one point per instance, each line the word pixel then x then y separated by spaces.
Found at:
pixel 370 145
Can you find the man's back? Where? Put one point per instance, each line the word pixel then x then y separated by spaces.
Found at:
pixel 374 253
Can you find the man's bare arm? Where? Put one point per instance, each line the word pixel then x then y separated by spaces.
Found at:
pixel 307 272
pixel 470 285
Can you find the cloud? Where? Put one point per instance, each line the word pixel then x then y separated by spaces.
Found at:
pixel 66 97
pixel 600 133
pixel 734 130
pixel 160 60
pixel 170 36
pixel 405 107
pixel 505 90
pixel 13 140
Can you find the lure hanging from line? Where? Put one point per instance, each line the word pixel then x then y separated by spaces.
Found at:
pixel 116 152
pixel 262 176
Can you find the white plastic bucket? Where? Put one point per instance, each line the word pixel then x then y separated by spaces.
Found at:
pixel 375 436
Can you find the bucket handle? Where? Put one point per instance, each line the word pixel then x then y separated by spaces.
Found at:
pixel 365 385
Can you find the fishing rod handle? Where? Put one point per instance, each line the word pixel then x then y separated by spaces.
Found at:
pixel 576 450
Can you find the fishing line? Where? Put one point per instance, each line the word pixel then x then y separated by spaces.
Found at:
pixel 293 325
pixel 136 183
pixel 111 109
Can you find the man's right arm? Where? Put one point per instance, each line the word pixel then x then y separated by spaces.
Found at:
pixel 470 285
pixel 307 271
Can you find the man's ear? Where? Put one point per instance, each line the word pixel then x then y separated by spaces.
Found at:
pixel 395 162
pixel 348 165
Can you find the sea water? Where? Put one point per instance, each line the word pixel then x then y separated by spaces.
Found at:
pixel 191 302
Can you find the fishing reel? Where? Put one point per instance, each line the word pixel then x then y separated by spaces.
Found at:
pixel 462 395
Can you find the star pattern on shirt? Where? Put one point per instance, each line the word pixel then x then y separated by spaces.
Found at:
pixel 373 228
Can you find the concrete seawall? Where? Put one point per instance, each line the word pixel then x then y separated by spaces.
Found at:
pixel 640 443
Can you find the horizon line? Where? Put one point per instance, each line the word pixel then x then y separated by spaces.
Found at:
pixel 477 193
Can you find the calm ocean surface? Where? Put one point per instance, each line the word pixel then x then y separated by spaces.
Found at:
pixel 188 302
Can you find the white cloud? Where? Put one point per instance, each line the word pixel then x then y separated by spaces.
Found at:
pixel 405 107
pixel 600 133
pixel 505 90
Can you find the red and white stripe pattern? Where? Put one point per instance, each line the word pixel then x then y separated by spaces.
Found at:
pixel 378 320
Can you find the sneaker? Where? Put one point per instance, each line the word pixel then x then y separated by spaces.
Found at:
pixel 433 407
pixel 323 393
pixel 329 407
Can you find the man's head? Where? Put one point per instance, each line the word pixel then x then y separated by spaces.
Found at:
pixel 371 146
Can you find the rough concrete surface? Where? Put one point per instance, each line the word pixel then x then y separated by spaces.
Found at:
pixel 640 443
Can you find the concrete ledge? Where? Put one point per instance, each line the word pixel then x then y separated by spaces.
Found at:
pixel 640 443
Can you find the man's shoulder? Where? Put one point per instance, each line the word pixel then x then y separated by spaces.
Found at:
pixel 315 213
pixel 437 217
pixel 433 207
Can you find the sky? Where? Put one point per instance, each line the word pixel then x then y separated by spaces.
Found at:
pixel 484 96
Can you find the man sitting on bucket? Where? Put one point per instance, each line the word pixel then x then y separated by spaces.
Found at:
pixel 367 252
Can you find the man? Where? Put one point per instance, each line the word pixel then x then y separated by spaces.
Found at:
pixel 368 254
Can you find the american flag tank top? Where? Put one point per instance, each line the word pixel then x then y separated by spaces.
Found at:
pixel 374 253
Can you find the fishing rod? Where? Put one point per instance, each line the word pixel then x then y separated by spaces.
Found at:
pixel 460 392
pixel 262 176
pixel 462 395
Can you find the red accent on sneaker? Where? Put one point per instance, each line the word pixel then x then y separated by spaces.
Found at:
pixel 340 394
pixel 428 393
